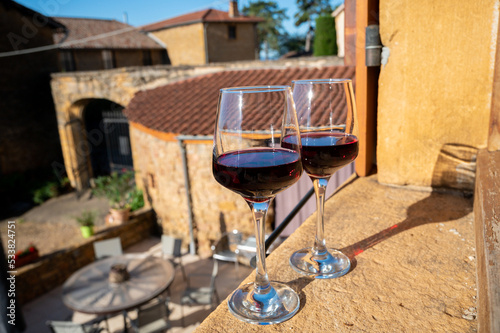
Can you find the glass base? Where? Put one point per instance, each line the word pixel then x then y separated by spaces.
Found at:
pixel 280 303
pixel 326 265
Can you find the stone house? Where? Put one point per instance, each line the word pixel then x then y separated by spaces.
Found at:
pixel 208 36
pixel 93 44
pixel 26 104
pixel 339 15
pixel 28 127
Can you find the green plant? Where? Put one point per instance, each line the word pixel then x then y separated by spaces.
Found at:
pixel 137 199
pixel 325 39
pixel 87 218
pixel 46 191
pixel 117 188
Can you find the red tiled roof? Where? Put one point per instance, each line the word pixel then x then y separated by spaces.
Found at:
pixel 207 15
pixel 85 28
pixel 189 106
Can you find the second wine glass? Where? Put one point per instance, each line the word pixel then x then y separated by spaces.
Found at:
pixel 249 158
pixel 326 114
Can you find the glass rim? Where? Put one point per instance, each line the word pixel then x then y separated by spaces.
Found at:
pixel 318 81
pixel 255 89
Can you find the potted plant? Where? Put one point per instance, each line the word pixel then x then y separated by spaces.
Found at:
pixel 26 256
pixel 118 189
pixel 86 222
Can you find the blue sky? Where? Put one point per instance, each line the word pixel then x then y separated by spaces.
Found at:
pixel 141 12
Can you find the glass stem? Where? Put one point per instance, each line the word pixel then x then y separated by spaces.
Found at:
pixel 320 191
pixel 259 211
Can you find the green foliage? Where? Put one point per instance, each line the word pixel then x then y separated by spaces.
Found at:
pixel 45 192
pixel 117 188
pixel 269 31
pixel 87 218
pixel 292 43
pixel 325 40
pixel 308 10
pixel 137 200
pixel 32 186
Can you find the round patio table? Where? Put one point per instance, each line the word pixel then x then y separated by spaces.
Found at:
pixel 89 290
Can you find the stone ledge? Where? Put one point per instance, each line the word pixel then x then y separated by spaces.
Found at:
pixel 414 266
pixel 487 221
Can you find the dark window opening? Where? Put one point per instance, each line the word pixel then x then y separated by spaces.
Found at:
pixel 108 59
pixel 146 58
pixel 67 61
pixel 231 31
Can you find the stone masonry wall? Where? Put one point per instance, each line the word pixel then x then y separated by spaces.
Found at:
pixel 215 209
pixel 189 44
pixel 221 48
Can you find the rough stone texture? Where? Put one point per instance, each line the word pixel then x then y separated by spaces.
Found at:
pixel 215 209
pixel 487 221
pixel 435 90
pixel 414 265
pixel 221 48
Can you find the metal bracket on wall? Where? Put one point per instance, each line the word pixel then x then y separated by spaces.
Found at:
pixel 373 46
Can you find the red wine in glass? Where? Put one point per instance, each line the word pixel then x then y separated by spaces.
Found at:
pixel 324 153
pixel 250 159
pixel 326 114
pixel 257 174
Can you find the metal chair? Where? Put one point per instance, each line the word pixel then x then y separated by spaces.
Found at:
pixel 91 326
pixel 201 295
pixel 152 317
pixel 107 248
pixel 171 248
pixel 225 249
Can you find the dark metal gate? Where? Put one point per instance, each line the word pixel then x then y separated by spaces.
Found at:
pixel 117 135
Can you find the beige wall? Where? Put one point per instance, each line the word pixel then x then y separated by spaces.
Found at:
pixel 435 90
pixel 185 44
pixel 221 48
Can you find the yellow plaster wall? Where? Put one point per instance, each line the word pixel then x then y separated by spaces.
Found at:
pixel 185 44
pixel 435 90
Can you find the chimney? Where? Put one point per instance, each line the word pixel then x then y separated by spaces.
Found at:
pixel 233 8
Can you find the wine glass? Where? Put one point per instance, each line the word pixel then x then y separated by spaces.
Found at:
pixel 327 119
pixel 249 159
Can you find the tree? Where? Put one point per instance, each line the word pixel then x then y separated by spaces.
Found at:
pixel 325 40
pixel 269 31
pixel 292 43
pixel 308 11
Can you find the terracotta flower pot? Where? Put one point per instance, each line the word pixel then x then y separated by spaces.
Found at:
pixel 118 216
pixel 27 259
pixel 87 231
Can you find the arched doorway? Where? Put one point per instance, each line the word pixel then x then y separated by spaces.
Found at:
pixel 108 137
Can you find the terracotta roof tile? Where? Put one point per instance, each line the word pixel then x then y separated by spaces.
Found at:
pixel 80 28
pixel 207 15
pixel 189 106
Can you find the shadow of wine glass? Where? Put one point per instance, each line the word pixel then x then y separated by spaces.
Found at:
pixel 438 207
pixel 298 286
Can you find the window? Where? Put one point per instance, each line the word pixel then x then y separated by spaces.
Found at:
pixel 146 58
pixel 231 32
pixel 67 61
pixel 108 59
